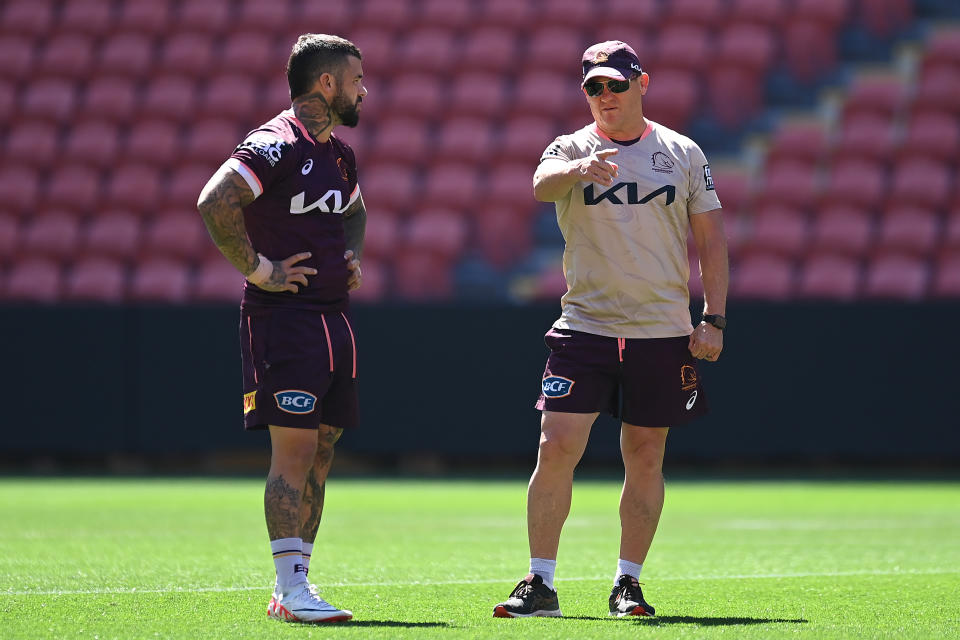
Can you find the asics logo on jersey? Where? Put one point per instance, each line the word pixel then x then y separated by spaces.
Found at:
pixel 633 196
pixel 322 204
pixel 295 401
pixel 557 386
pixel 307 166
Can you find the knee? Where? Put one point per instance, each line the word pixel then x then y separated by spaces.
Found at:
pixel 644 457
pixel 559 451
pixel 297 456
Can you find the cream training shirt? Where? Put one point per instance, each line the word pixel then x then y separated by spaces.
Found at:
pixel 625 259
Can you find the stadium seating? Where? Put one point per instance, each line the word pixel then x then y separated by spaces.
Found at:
pixel 896 277
pixel 126 54
pixel 765 277
pixel 144 17
pixel 830 277
pixel 109 97
pixel 33 143
pixel 96 279
pixel 160 280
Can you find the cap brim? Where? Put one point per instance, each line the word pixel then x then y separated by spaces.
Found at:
pixel 606 72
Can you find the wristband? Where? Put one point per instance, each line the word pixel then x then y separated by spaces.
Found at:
pixel 263 271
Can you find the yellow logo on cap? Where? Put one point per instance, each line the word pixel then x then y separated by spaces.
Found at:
pixel 602 56
pixel 249 402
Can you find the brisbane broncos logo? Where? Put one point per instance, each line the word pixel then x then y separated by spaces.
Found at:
pixel 662 162
pixel 688 377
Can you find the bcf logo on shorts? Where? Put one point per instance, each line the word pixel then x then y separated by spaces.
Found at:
pixel 295 401
pixel 557 386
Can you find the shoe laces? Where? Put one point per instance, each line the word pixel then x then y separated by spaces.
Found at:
pixel 522 589
pixel 632 590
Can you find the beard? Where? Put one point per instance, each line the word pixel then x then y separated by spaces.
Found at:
pixel 345 110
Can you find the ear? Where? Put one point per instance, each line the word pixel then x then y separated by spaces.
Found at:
pixel 644 83
pixel 327 83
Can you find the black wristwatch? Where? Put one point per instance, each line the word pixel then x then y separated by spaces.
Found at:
pixel 720 322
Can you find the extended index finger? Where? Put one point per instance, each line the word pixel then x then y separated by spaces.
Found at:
pixel 606 153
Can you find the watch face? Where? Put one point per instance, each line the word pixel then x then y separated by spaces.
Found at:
pixel 718 321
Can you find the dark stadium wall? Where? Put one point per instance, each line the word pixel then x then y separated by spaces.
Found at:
pixel 798 383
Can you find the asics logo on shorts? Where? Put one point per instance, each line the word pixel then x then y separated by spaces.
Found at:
pixel 557 386
pixel 295 401
pixel 692 400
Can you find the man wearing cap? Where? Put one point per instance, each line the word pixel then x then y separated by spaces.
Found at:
pixel 627 192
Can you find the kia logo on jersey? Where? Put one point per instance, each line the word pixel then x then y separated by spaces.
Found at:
pixel 295 401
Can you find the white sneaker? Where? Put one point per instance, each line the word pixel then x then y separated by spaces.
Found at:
pixel 304 604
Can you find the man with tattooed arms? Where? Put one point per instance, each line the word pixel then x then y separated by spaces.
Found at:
pixel 285 209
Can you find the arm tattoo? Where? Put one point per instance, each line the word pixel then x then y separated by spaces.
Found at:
pixel 354 226
pixel 221 207
pixel 281 504
pixel 314 112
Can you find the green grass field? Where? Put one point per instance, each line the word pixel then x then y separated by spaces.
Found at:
pixel 114 558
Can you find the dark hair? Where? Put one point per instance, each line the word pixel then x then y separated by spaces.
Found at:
pixel 313 55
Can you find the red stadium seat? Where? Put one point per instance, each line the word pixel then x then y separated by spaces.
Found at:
pixel 166 281
pixel 832 13
pixel 672 98
pixel 855 182
pixel 842 229
pixel 111 98
pixel 49 98
pixel 546 93
pixel 9 237
pixel 525 138
pixel 478 94
pixel 791 183
pixel 490 49
pixel 884 18
pixel 175 234
pixel 229 96
pixel 262 16
pixel 502 234
pixel 572 14
pixel 134 187
pixel 422 276
pixel 114 235
pixel 219 281
pixel 430 50
pixel 769 13
pixel 34 280
pixel 801 140
pixel 19 188
pixel 416 95
pixel 506 13
pixel 95 142
pixel 830 277
pixel 53 235
pixel 510 185
pixel 451 185
pixel 394 15
pixel 189 54
pixel 35 144
pixel 909 229
pixel 96 279
pixel 7 101
pixel 186 182
pixel 150 17
pixel 733 186
pixel 557 48
pixel 375 284
pixel 632 15
pixel 382 235
pixel 951 235
pixel 16 56
pixel 939 89
pixel 251 54
pixel 126 54
pixel 378 46
pixel 762 277
pixel 745 45
pixel 464 140
pixel 402 139
pixel 27 17
pixel 809 49
pixel 683 47
pixel 154 142
pixel 921 182
pixel 171 97
pixel 335 15
pixel 896 277
pixel 734 96
pixel 946 283
pixel 209 16
pixel 442 231
pixel 443 13
pixel 935 135
pixel 212 141
pixel 865 136
pixel 777 229
pixel 75 187
pixel 392 184
pixel 703 13
pixel 89 17
pixel 882 94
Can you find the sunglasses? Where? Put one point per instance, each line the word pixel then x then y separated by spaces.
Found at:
pixel 594 88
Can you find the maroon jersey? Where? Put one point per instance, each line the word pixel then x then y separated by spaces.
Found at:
pixel 302 187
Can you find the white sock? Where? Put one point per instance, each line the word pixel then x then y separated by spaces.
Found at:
pixel 627 568
pixel 307 552
pixel 288 559
pixel 545 569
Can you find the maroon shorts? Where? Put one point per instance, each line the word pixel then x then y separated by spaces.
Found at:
pixel 648 382
pixel 299 368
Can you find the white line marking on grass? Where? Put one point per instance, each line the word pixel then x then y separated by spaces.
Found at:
pixel 433 583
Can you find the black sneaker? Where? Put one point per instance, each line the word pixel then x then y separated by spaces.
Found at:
pixel 530 598
pixel 626 599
